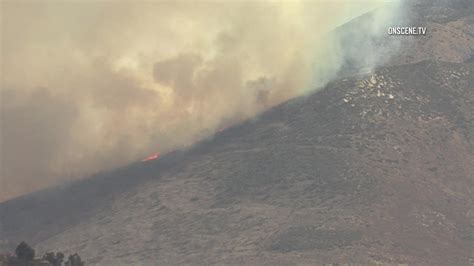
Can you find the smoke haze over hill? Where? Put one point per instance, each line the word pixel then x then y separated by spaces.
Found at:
pixel 90 86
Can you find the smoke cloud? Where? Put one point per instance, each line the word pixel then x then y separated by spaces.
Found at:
pixel 93 85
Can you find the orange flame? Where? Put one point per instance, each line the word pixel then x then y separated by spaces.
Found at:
pixel 151 157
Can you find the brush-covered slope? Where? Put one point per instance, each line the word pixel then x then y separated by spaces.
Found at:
pixel 373 168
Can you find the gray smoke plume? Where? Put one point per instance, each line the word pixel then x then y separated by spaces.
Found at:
pixel 93 85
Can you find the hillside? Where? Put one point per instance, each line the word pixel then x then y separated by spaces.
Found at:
pixel 373 168
pixel 449 38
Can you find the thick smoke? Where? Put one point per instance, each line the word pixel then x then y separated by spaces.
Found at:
pixel 93 85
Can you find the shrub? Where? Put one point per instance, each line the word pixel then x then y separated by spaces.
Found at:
pixel 54 259
pixel 74 260
pixel 24 251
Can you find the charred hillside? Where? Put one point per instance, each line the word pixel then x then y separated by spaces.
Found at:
pixel 372 168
